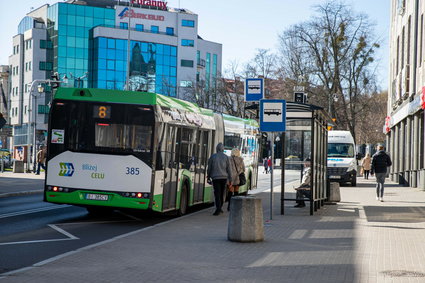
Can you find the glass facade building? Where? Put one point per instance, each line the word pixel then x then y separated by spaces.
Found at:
pixel 153 66
pixel 69 28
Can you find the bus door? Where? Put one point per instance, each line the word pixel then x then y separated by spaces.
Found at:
pixel 201 165
pixel 171 168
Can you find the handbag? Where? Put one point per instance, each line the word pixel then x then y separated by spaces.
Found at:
pixel 242 178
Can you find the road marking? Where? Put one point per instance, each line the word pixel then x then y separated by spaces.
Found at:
pixel 54 227
pixel 29 211
pixel 60 230
pixel 34 242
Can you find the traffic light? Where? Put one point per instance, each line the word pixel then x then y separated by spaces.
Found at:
pixel 299 97
pixel 55 80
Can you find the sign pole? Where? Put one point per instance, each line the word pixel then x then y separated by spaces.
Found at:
pixel 271 176
pixel 282 178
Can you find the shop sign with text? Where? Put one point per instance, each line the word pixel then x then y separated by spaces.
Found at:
pixel 130 13
pixel 158 4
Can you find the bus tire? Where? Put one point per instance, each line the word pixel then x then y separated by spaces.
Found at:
pixel 183 200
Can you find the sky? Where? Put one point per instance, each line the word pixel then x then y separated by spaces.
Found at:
pixel 242 26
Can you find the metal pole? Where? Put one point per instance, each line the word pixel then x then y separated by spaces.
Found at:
pixel 271 176
pixel 29 152
pixel 127 85
pixel 282 178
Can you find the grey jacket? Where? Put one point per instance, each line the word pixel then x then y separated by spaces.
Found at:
pixel 219 166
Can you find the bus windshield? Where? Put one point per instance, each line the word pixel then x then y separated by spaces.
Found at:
pixel 103 128
pixel 344 150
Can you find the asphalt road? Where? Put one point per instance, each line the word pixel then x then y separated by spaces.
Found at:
pixel 32 231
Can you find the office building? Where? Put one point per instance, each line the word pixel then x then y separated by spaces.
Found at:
pixel 138 45
pixel 404 124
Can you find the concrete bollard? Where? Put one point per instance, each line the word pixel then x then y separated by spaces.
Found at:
pixel 245 220
pixel 18 166
pixel 335 195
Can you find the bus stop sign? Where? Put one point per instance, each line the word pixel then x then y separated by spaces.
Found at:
pixel 254 89
pixel 272 115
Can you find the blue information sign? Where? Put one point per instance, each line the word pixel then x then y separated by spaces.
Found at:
pixel 254 89
pixel 272 115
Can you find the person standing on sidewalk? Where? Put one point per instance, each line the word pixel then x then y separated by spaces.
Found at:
pixel 366 164
pixel 41 159
pixel 220 172
pixel 238 167
pixel 380 162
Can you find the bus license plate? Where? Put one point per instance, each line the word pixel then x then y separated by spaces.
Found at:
pixel 334 177
pixel 96 197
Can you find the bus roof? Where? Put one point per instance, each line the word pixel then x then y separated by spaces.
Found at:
pixel 128 97
pixel 135 97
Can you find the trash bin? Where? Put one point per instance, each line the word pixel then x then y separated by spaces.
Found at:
pixel 246 220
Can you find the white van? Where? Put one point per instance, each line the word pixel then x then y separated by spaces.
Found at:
pixel 342 162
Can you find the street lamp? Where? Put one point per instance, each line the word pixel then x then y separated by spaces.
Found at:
pixel 32 118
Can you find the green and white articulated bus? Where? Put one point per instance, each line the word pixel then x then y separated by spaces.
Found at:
pixel 122 149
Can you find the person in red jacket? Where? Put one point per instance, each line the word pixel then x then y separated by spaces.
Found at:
pixel 269 163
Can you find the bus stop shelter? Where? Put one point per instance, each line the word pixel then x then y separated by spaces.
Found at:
pixel 306 139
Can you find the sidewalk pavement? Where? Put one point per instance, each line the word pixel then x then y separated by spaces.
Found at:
pixel 14 184
pixel 357 240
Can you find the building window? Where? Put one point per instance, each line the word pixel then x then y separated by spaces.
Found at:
pixel 421 40
pixel 208 71
pixel 139 27
pixel 43 109
pixel 29 65
pixel 186 83
pixel 188 23
pixel 186 63
pixel 46 44
pixel 123 25
pixel 45 66
pixel 198 57
pixel 170 31
pixel 154 29
pixel 188 42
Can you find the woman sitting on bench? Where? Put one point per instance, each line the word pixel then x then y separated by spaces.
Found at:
pixel 303 191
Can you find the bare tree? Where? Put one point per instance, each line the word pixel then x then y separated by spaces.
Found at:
pixel 371 120
pixel 333 54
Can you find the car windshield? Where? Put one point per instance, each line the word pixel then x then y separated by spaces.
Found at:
pixel 345 150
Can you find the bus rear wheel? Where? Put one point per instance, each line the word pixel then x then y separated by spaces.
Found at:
pixel 183 200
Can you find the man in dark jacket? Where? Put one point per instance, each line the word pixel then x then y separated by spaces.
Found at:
pixel 380 162
pixel 220 172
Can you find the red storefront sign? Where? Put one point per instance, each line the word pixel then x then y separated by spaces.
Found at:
pixel 158 4
pixel 423 98
pixel 387 124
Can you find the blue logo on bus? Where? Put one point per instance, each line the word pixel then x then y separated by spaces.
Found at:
pixel 66 169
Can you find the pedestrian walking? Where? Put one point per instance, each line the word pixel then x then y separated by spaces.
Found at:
pixel 238 167
pixel 266 165
pixel 41 159
pixel 366 165
pixel 269 164
pixel 220 172
pixel 380 162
